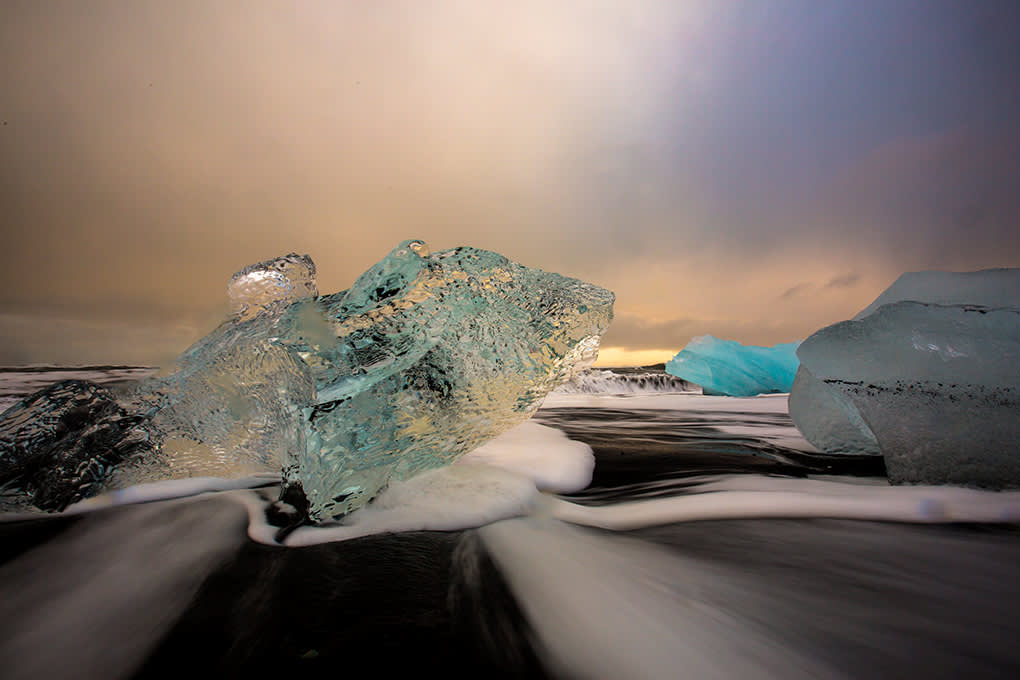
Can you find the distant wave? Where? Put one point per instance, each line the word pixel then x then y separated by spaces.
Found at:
pixel 610 382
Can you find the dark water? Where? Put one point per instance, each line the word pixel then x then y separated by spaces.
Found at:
pixel 635 446
pixel 177 588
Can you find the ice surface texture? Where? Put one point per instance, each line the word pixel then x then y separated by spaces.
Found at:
pixel 726 367
pixel 928 375
pixel 430 356
pixel 424 358
pixel 61 444
pixel 259 286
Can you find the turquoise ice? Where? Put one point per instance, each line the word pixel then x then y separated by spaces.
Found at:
pixel 726 367
pixel 424 358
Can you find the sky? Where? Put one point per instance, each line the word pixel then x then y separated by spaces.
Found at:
pixel 755 170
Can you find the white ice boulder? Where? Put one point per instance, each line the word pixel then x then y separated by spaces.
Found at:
pixel 928 375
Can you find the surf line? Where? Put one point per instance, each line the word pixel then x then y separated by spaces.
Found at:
pixel 825 500
pixel 916 504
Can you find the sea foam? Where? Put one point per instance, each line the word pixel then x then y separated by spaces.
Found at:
pixel 501 479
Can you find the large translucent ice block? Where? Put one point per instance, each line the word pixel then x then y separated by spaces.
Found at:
pixel 938 386
pixel 423 359
pixel 927 375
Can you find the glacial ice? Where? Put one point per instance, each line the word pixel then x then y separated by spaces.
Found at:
pixel 726 367
pixel 423 359
pixel 61 444
pixel 434 355
pixel 928 375
pixel 284 279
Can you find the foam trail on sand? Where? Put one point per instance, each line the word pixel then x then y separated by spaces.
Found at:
pixel 95 600
pixel 746 497
pixel 763 417
pixel 444 499
pixel 757 600
pixel 613 607
pixel 170 489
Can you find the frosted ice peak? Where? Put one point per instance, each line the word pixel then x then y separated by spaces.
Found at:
pixel 283 279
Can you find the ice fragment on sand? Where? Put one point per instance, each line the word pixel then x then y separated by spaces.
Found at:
pixel 726 367
pixel 931 375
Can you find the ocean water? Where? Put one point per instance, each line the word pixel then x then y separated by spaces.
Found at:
pixel 634 528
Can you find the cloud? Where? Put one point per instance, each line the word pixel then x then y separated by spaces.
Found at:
pixel 948 201
pixel 154 149
pixel 634 333
pixel 844 281
pixel 794 290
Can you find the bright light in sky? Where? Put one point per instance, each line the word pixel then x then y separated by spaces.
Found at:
pixel 619 356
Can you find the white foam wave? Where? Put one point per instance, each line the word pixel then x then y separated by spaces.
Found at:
pixel 607 382
pixel 543 454
pixel 499 480
pixel 675 401
pixel 167 490
pixel 445 499
pixel 752 496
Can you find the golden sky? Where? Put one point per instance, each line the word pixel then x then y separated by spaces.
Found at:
pixel 754 174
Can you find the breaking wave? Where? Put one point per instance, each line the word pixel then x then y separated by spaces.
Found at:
pixel 595 381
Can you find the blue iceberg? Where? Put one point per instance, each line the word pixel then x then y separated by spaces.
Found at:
pixel 726 367
pixel 928 376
